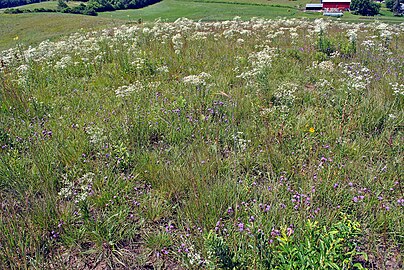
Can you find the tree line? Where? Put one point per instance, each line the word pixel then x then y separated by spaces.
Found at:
pixel 14 3
pixel 371 8
pixel 89 8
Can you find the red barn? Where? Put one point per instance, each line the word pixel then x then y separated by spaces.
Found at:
pixel 336 4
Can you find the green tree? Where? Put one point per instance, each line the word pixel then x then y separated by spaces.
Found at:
pixel 397 7
pixel 394 5
pixel 365 7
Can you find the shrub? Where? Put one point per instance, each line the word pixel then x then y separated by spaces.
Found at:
pixel 62 4
pixel 13 11
pixel 394 5
pixel 325 45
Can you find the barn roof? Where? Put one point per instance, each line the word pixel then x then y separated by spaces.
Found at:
pixel 314 5
pixel 336 1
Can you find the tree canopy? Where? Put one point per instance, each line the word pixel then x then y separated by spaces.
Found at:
pixel 365 7
pixel 395 6
pixel 14 3
pixel 90 8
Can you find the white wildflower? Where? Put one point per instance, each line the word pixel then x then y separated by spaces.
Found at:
pixel 97 135
pixel 398 89
pixel 326 66
pixel 63 62
pixel 127 90
pixel 197 80
pixel 77 190
pixel 178 42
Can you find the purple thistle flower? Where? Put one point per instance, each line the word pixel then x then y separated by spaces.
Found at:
pixel 240 226
pixel 275 233
pixel 335 185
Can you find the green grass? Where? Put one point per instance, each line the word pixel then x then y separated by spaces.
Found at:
pixel 170 10
pixel 215 144
pixel 34 28
pixel 285 3
pixel 173 9
pixel 45 4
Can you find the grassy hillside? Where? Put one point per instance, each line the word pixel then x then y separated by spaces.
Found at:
pixel 36 27
pixel 255 144
pixel 172 9
pixel 45 4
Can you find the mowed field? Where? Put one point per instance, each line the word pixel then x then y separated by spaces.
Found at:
pixel 45 4
pixel 32 28
pixel 208 11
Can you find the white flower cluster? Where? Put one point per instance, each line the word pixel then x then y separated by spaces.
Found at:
pixel 352 34
pixel 369 44
pixel 63 62
pixel 78 190
pixel 22 72
pixel 178 43
pixel 284 97
pixel 162 69
pixel 240 143
pixel 139 63
pixel 320 25
pixel 259 61
pixel 90 47
pixel 197 80
pixel 386 32
pixel 357 77
pixel 322 83
pixel 326 66
pixel 274 34
pixel 96 135
pixel 398 89
pixel 294 35
pixel 283 100
pixel 127 90
pixel 193 256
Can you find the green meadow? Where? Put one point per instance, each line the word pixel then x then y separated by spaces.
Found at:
pixel 33 28
pixel 272 140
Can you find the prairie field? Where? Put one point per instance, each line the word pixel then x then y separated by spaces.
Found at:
pixel 34 27
pixel 258 144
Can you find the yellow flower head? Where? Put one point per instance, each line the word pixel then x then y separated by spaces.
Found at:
pixel 311 130
pixel 16 38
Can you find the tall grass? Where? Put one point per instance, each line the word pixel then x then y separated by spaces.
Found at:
pixel 203 145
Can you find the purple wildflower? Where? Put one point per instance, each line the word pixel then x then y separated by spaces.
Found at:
pixel 240 226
